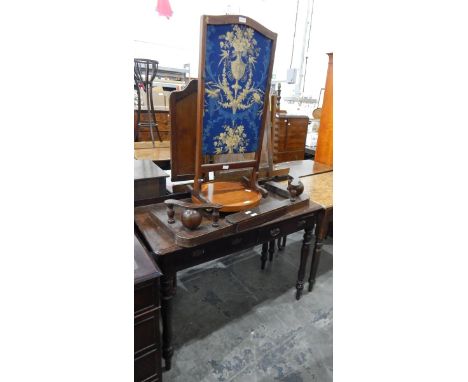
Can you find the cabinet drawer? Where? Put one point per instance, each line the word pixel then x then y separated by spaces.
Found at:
pixel 146 296
pixel 148 366
pixel 146 332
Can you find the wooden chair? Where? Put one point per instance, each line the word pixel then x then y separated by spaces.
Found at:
pixel 236 62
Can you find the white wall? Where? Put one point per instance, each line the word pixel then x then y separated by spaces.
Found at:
pixel 175 41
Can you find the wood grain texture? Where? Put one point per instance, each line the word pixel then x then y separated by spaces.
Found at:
pixel 324 151
pixel 319 188
pixel 183 115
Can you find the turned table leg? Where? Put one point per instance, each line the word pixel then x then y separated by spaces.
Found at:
pixel 304 255
pixel 317 251
pixel 263 257
pixel 282 242
pixel 167 293
pixel 321 231
pixel 271 250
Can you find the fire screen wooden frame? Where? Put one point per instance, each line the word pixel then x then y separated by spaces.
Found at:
pixel 246 28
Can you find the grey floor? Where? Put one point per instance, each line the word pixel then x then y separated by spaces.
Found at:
pixel 234 322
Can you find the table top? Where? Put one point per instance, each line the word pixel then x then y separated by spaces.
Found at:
pixel 145 150
pixel 144 268
pixel 319 187
pixel 163 243
pixel 304 167
pixel 146 169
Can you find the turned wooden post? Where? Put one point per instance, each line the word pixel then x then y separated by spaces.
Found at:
pixel 263 257
pixel 167 293
pixel 304 255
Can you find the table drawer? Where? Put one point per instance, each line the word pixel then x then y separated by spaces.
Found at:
pixel 146 296
pixel 218 248
pixel 146 332
pixel 287 227
pixel 147 367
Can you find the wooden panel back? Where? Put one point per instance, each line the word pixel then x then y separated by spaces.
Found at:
pixel 183 114
pixel 324 151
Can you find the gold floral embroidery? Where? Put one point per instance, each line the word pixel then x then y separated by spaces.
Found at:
pixel 233 139
pixel 239 54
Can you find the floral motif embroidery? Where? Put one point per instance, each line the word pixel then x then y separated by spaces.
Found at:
pixel 239 53
pixel 233 139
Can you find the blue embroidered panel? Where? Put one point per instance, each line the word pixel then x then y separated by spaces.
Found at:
pixel 236 73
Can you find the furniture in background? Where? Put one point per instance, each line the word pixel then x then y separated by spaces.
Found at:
pixel 143 133
pixel 147 341
pixel 324 150
pixel 236 63
pixel 144 73
pixel 148 179
pixel 289 137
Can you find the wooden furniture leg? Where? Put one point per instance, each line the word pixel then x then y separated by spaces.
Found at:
pixel 321 232
pixel 304 255
pixel 315 261
pixel 282 243
pixel 271 250
pixel 263 257
pixel 167 293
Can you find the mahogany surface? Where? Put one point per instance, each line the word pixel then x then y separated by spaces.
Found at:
pixel 183 116
pixel 233 196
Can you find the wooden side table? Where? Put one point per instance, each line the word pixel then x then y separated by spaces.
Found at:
pixel 147 345
pixel 320 190
pixel 172 258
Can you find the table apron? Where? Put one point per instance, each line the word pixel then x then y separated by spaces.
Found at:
pixel 189 257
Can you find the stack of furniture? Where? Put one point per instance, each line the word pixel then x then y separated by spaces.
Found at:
pixel 289 137
pixel 147 346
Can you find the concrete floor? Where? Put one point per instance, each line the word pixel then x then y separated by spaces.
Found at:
pixel 234 322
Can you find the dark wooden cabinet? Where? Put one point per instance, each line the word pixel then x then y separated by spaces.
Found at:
pixel 147 307
pixel 149 181
pixel 289 137
pixel 164 125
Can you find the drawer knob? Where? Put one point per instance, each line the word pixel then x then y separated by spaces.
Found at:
pixel 275 232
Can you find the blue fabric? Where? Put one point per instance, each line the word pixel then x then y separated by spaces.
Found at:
pixel 236 73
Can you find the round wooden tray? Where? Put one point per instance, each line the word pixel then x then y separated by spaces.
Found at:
pixel 233 196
